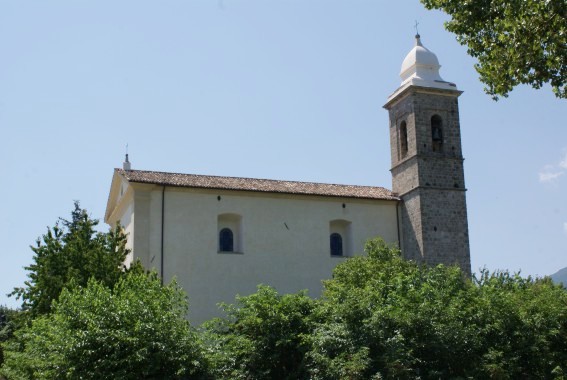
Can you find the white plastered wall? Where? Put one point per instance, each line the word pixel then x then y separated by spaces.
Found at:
pixel 285 240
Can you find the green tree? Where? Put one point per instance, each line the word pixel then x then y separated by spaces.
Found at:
pixel 10 320
pixel 262 337
pixel 385 317
pixel 515 42
pixel 522 326
pixel 137 330
pixel 71 250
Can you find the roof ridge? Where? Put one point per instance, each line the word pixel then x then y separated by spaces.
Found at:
pixel 256 184
pixel 251 178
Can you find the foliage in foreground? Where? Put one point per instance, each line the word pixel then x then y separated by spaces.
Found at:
pixel 71 251
pixel 137 330
pixel 515 42
pixel 262 337
pixel 388 317
pixel 10 321
pixel 385 317
pixel 380 317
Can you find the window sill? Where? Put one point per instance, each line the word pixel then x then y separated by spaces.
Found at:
pixel 230 253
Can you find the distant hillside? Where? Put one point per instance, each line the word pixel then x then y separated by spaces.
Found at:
pixel 560 276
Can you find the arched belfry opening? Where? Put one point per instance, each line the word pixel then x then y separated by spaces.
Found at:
pixel 403 139
pixel 437 133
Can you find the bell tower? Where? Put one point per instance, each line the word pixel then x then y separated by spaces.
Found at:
pixel 427 163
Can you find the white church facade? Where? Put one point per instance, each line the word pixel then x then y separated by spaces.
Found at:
pixel 222 236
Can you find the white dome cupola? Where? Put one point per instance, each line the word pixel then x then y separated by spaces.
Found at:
pixel 421 68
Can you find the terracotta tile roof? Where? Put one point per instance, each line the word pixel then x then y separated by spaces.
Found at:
pixel 253 184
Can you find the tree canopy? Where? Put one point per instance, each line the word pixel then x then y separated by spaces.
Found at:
pixel 136 330
pixel 380 317
pixel 385 317
pixel 262 337
pixel 515 42
pixel 71 250
pixel 10 321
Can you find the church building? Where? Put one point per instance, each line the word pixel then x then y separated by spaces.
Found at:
pixel 222 236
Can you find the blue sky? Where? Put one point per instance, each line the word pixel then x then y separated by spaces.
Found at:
pixel 254 88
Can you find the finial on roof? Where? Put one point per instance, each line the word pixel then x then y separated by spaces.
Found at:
pixel 126 164
pixel 417 36
pixel 418 40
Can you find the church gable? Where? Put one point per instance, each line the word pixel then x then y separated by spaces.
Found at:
pixel 116 192
pixel 120 199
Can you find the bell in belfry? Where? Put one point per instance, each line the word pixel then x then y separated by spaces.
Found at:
pixel 437 134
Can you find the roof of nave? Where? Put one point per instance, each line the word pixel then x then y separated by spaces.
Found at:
pixel 254 184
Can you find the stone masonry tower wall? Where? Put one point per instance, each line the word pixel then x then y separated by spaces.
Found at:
pixel 427 173
pixel 427 163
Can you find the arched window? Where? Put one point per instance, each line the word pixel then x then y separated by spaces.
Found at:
pixel 336 244
pixel 229 230
pixel 403 139
pixel 226 240
pixel 340 237
pixel 437 133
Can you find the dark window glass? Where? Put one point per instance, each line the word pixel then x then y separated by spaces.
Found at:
pixel 336 244
pixel 226 240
